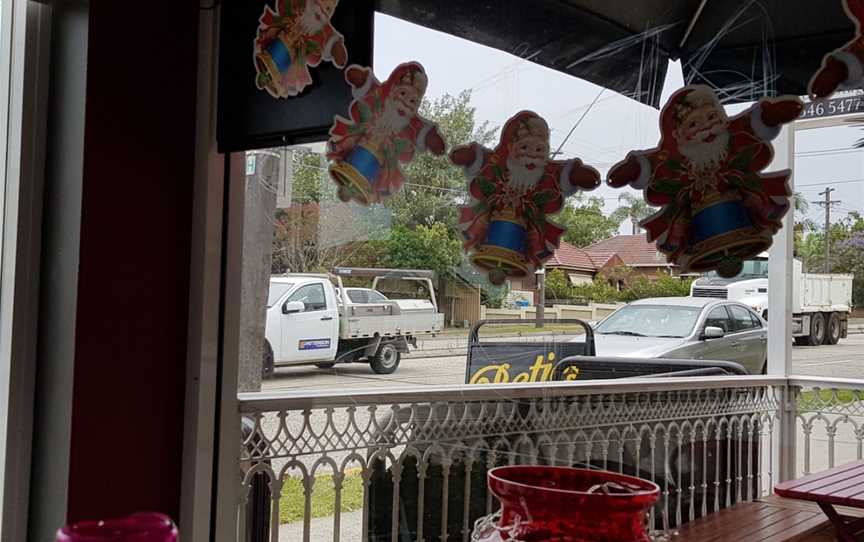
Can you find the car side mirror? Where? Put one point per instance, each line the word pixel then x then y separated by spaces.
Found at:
pixel 712 332
pixel 293 307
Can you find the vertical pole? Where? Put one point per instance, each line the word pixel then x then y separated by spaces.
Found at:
pixel 541 303
pixel 827 204
pixel 780 316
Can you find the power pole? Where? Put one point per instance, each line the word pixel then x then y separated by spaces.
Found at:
pixel 827 203
pixel 540 311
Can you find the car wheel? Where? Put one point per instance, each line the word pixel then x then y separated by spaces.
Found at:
pixel 267 364
pixel 386 360
pixel 832 331
pixel 817 330
pixel 328 365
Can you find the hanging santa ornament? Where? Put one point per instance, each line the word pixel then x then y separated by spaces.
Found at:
pixel 842 68
pixel 514 189
pixel 717 207
pixel 292 38
pixel 384 131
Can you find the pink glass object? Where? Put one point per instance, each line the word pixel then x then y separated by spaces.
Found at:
pixel 569 505
pixel 140 527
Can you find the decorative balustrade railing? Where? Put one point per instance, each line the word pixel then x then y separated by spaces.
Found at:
pixel 410 464
pixel 829 422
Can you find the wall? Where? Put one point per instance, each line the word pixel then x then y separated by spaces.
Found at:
pixel 131 318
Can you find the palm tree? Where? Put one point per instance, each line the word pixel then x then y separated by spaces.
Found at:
pixel 633 209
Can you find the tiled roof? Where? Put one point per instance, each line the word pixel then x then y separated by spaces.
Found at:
pixel 572 257
pixel 634 250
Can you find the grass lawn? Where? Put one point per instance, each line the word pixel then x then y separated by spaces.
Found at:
pixel 517 329
pixel 808 400
pixel 292 503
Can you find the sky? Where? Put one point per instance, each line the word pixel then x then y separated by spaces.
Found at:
pixel 503 84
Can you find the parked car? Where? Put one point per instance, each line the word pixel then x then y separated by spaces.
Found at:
pixel 685 328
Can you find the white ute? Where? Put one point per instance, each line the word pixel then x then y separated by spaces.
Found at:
pixel 309 323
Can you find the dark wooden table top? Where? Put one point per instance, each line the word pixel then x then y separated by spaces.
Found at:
pixel 843 485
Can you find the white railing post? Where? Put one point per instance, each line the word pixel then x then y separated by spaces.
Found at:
pixel 785 450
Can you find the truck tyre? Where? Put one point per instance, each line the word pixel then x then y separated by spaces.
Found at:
pixel 833 329
pixel 817 330
pixel 386 360
pixel 326 365
pixel 267 363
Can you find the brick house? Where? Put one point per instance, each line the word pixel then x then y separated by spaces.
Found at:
pixel 635 252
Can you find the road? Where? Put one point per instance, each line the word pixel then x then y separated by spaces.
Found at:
pixel 845 360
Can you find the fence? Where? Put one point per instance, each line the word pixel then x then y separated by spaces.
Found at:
pixel 591 311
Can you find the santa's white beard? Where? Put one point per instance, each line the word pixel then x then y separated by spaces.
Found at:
pixel 706 156
pixel 308 22
pixel 391 121
pixel 522 178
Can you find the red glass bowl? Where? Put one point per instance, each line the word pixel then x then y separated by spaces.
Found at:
pixel 570 504
pixel 141 527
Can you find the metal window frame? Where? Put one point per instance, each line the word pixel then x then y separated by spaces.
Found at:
pixel 25 28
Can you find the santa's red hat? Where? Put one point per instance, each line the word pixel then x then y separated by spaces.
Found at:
pixel 523 123
pixel 410 74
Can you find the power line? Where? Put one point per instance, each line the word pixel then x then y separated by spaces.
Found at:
pixel 826 183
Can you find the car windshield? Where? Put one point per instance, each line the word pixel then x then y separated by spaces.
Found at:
pixel 751 268
pixel 277 290
pixel 651 321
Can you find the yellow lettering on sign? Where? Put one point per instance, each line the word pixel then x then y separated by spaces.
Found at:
pixel 539 371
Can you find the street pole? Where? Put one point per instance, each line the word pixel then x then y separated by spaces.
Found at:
pixel 541 304
pixel 827 203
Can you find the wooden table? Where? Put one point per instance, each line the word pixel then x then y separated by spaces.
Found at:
pixel 840 486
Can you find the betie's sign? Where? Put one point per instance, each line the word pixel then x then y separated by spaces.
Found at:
pixel 519 362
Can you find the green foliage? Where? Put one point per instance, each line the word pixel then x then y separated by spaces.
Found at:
pixel 633 210
pixel 423 247
pixel 558 286
pixel 585 222
pixel 847 251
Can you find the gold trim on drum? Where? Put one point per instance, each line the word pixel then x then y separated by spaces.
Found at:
pixel 265 63
pixel 492 257
pixel 347 175
pixel 742 243
pixel 713 198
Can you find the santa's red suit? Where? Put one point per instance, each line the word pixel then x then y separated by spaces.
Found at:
pixel 363 128
pixel 671 182
pixel 491 192
pixel 843 69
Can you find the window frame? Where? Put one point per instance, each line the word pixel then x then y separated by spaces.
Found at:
pixel 731 309
pixel 725 309
pixel 305 286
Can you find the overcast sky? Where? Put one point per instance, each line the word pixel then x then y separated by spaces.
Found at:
pixel 503 84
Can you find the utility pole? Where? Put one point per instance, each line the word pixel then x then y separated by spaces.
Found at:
pixel 827 203
pixel 541 304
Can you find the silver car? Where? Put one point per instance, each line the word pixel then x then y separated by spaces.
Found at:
pixel 685 328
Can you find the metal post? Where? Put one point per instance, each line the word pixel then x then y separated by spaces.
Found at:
pixel 541 303
pixel 827 203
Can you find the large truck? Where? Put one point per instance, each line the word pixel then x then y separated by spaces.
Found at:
pixel 311 319
pixel 821 303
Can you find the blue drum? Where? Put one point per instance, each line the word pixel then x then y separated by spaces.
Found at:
pixel 272 63
pixel 503 252
pixel 359 172
pixel 723 236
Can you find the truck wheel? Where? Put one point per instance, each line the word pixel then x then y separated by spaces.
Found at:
pixel 386 360
pixel 328 365
pixel 817 330
pixel 832 331
pixel 267 363
pixel 802 341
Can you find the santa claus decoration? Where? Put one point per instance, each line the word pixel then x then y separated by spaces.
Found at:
pixel 717 207
pixel 290 40
pixel 384 130
pixel 514 190
pixel 843 68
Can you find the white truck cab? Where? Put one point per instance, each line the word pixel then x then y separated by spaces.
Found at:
pixel 311 319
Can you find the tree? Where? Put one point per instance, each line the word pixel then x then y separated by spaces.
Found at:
pixel 423 247
pixel 634 209
pixel 585 222
pixel 435 188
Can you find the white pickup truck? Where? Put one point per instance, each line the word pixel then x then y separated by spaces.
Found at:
pixel 821 303
pixel 311 319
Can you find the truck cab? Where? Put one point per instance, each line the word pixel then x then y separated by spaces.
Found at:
pixel 749 287
pixel 302 319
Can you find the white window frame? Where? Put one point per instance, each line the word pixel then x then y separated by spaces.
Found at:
pixel 24 39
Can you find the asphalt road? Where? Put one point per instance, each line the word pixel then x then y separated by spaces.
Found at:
pixel 433 366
